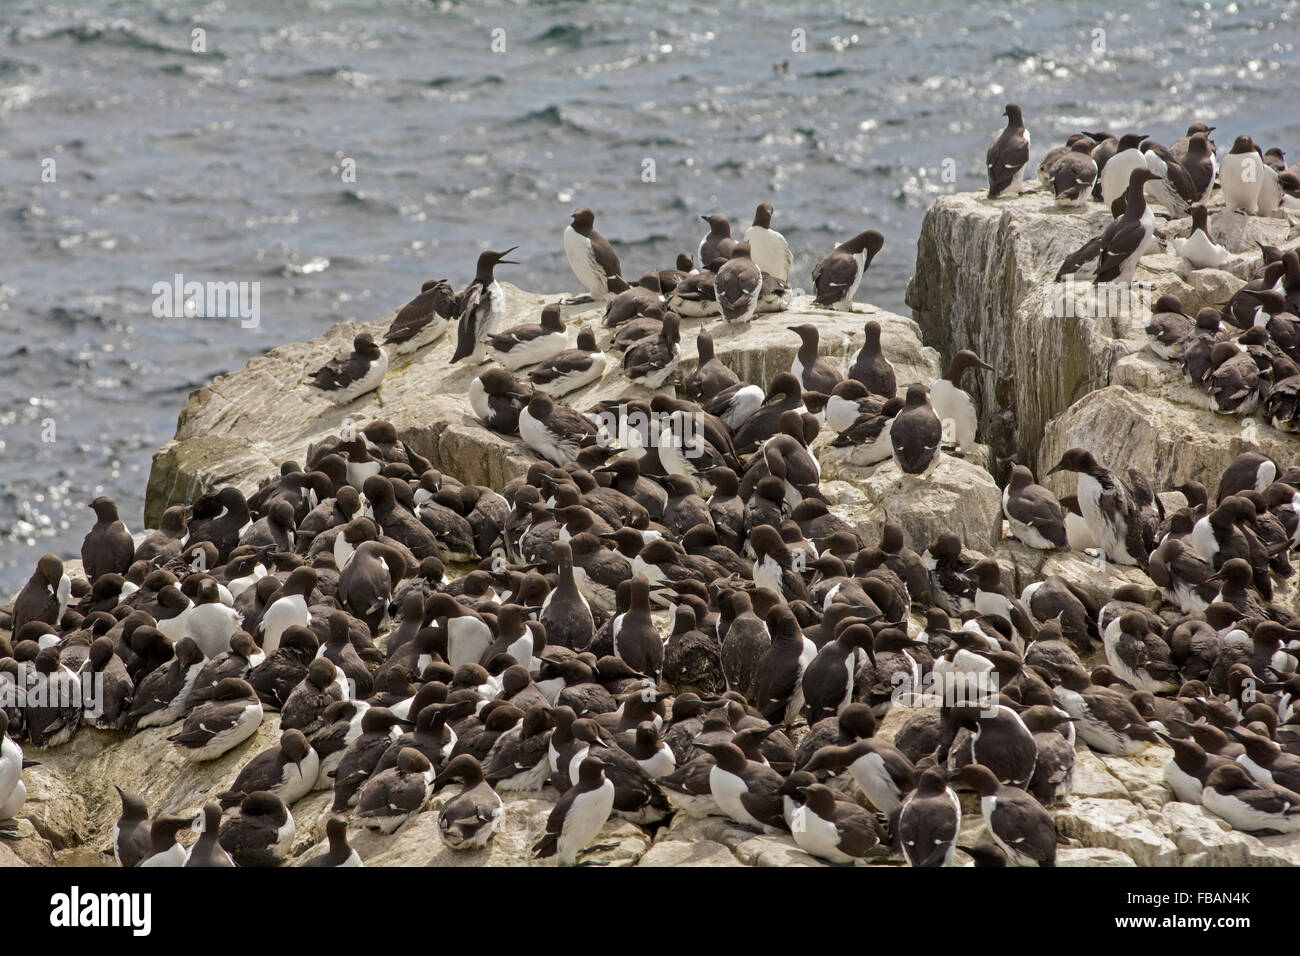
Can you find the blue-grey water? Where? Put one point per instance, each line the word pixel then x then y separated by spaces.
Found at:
pixel 482 125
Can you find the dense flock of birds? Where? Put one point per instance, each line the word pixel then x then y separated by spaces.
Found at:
pixel 325 595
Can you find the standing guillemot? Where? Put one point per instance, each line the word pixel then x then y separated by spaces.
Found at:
pixel 717 244
pixel 530 343
pixel 571 369
pixel 378 730
pixel 348 377
pixel 815 374
pixel 131 833
pixel 1108 507
pixel 636 639
pixel 424 319
pixel 1019 825
pixel 836 276
pixel 999 741
pixel 104 667
pixel 13 792
pixel 592 258
pixel 1116 174
pixel 770 251
pixel 1138 656
pixel 211 624
pixel 1198 249
pixel 482 306
pixel 289 607
pixel 340 852
pixel 928 822
pixel 1053 776
pixel 916 434
pixel 1240 177
pixel 565 613
pixel 1182 145
pixel 738 285
pixel 45 596
pixel 108 547
pixel 710 376
pixel 555 432
pixel 163 544
pixel 1125 240
pixel 207 851
pixel 228 719
pixel 261 833
pixel 828 679
pixel 164 851
pixel 652 360
pixel 1007 158
pixel 288 770
pixel 778 694
pixel 578 816
pixel 952 403
pixel 1074 174
pixel 1033 512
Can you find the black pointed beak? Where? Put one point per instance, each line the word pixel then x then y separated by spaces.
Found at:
pixel 504 261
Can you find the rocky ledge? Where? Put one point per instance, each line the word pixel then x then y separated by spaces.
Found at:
pixel 984 280
pixel 1070 371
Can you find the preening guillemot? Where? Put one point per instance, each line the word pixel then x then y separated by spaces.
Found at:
pixel 836 276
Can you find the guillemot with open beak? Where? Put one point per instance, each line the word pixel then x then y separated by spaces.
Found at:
pixel 482 307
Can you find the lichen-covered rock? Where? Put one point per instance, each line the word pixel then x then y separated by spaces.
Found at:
pixel 1116 825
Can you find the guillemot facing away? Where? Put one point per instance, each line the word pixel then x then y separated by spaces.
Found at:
pixel 952 403
pixel 1008 156
pixel 768 248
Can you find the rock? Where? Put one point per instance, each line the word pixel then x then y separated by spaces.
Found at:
pixel 1092 778
pixel 683 853
pixel 238 429
pixel 1143 775
pixel 1116 825
pixel 955 495
pixel 1092 856
pixel 1206 840
pixel 768 850
pixel 27 848
pixel 984 280
pixel 1175 441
